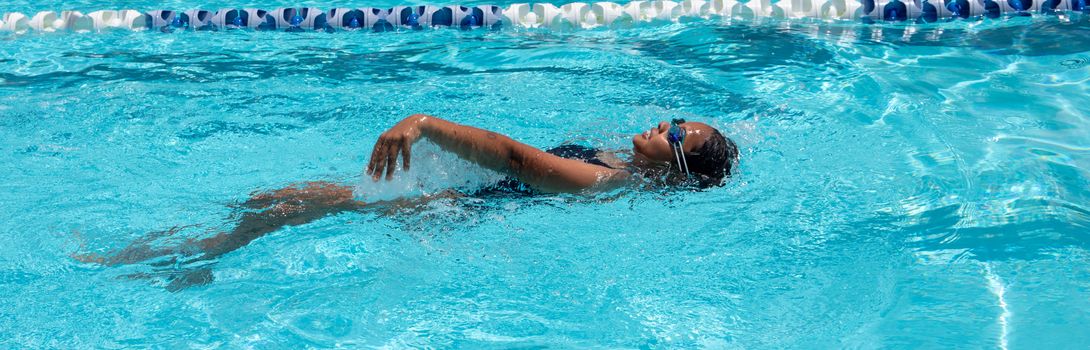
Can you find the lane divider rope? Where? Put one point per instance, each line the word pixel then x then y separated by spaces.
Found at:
pixel 577 15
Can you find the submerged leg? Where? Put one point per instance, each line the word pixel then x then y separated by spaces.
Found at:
pixel 190 278
pixel 292 205
pixel 139 250
pixel 176 279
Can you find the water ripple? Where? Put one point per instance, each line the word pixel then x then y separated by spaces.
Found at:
pixel 899 186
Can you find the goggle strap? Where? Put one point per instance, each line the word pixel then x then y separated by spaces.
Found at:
pixel 683 160
pixel 677 159
pixel 680 159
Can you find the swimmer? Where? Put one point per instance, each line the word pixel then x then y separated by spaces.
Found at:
pixel 677 153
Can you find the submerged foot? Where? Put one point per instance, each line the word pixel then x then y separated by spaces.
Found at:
pixel 190 278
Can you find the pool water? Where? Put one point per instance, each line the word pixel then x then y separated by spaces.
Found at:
pixel 899 187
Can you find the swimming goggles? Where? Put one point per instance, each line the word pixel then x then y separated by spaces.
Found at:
pixel 676 137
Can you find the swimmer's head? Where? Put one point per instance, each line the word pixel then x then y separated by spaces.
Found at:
pixel 708 154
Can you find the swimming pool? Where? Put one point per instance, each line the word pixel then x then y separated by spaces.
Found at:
pixel 900 186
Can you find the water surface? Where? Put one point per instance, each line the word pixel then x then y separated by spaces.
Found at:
pixel 910 189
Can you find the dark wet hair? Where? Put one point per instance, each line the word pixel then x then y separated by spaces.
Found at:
pixel 713 162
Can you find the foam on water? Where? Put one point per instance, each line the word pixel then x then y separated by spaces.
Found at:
pixel 431 171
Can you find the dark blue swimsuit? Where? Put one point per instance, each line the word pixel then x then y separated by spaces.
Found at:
pixel 512 186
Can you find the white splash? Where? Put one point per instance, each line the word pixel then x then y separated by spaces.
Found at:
pixel 432 170
pixel 995 285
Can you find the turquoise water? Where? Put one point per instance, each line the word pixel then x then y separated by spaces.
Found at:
pixel 897 189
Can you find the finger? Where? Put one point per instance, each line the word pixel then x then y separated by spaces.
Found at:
pixel 380 161
pixel 374 152
pixel 391 160
pixel 406 153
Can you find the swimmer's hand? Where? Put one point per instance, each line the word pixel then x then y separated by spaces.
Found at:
pixel 399 139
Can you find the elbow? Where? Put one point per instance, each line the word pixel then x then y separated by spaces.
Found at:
pixel 516 161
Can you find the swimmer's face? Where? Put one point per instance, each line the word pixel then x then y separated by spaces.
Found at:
pixel 652 144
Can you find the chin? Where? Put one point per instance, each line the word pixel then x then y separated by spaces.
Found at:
pixel 636 151
pixel 639 157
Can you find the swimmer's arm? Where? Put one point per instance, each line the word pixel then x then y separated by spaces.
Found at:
pixel 540 170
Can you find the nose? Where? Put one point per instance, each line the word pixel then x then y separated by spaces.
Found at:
pixel 663 127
